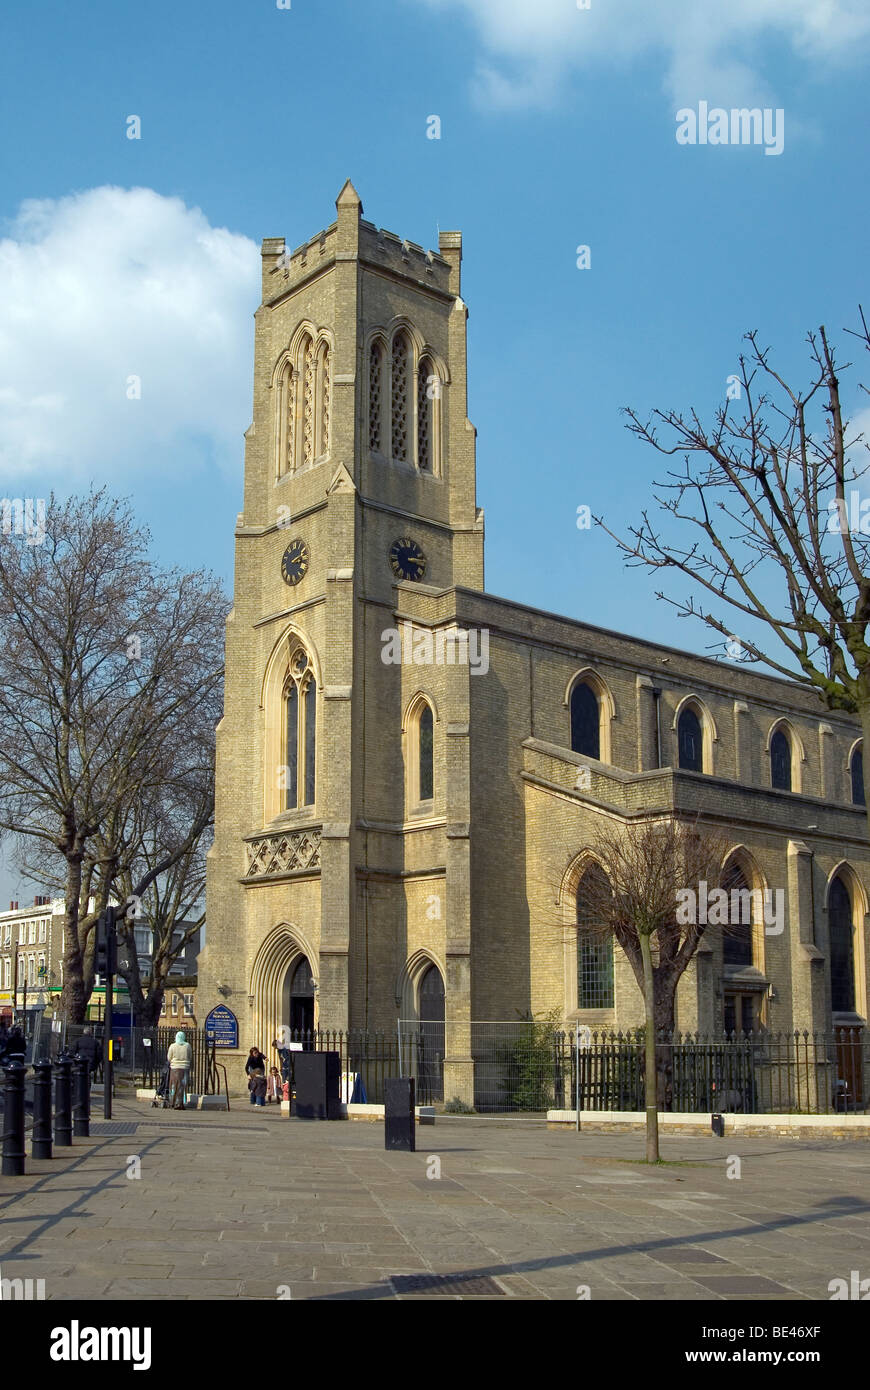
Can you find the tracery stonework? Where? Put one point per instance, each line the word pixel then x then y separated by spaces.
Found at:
pixel 308 417
pixel 325 402
pixel 270 856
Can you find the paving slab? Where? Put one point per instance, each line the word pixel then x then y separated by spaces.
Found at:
pixel 329 1215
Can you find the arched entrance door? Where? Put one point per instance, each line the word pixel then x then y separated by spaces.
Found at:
pixel 299 997
pixel 430 1072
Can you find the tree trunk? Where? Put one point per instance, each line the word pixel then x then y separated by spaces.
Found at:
pixel 650 1071
pixel 74 996
pixel 665 1013
pixel 151 1010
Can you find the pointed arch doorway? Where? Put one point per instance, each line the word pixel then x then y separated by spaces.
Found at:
pixel 298 997
pixel 430 1069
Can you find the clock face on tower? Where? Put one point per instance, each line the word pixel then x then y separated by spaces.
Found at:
pixel 295 562
pixel 407 559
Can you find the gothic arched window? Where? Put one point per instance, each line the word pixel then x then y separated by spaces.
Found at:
pixel 419 736
pixel 842 956
pixel 780 761
pixel 737 938
pixel 856 771
pixel 594 944
pixel 404 400
pixel 690 742
pixel 585 721
pixel 428 389
pixel 401 396
pixel 300 732
pixel 426 753
pixel 286 387
pixel 304 405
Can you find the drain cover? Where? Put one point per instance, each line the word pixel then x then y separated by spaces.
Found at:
pixel 465 1285
pixel 101 1127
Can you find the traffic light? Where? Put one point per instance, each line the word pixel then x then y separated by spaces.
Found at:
pixel 105 947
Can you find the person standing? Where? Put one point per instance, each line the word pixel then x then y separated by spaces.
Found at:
pixel 179 1058
pixel 255 1065
pixel 285 1061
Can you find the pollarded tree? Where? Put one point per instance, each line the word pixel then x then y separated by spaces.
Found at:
pixel 778 532
pixel 110 668
pixel 639 897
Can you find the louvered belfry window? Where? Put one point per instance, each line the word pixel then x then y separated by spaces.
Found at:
pixel 376 376
pixel 427 384
pixel 400 393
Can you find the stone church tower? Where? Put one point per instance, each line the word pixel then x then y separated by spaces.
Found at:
pixel 336 879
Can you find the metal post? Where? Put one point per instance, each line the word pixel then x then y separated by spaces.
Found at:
pixel 63 1101
pixel 107 1012
pixel 107 1054
pixel 13 1121
pixel 577 1076
pixel 41 1136
pixel 81 1098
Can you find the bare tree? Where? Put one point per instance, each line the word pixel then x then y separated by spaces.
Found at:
pixel 771 486
pixel 162 886
pixel 109 668
pixel 636 896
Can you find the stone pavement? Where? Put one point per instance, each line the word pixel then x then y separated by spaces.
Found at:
pixel 250 1205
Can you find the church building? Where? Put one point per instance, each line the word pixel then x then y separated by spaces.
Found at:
pixel 410 770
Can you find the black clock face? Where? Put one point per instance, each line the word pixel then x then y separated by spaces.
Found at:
pixel 407 559
pixel 295 562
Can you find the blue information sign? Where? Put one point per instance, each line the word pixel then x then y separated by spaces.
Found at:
pixel 222 1027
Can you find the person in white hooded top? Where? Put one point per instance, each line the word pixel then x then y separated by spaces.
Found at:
pixel 179 1058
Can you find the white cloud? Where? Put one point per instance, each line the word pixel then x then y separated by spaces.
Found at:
pixel 709 51
pixel 113 283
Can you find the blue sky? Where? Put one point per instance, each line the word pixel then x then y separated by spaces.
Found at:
pixel 558 129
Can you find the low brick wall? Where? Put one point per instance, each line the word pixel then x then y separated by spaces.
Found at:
pixel 749 1126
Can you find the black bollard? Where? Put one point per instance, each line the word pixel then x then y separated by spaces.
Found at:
pixel 41 1136
pixel 13 1121
pixel 81 1097
pixel 63 1102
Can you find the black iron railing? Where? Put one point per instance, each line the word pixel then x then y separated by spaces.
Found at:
pixel 752 1073
pixel 532 1066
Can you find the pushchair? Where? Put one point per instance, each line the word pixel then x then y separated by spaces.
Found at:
pixel 161 1094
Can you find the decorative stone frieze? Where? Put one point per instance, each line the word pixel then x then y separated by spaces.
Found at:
pixel 287 852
